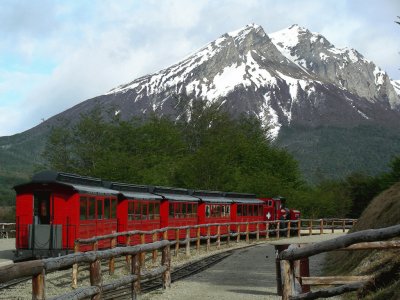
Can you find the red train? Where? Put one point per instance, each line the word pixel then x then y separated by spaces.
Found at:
pixel 55 209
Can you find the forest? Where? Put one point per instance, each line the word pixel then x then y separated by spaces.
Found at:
pixel 204 148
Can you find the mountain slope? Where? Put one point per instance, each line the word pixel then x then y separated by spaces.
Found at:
pixel 383 211
pixel 294 80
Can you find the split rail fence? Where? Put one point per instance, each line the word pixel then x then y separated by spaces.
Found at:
pixel 135 255
pixel 7 230
pixel 292 281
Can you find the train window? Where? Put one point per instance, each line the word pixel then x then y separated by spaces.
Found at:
pixel 92 209
pixel 144 211
pixel 239 210
pixel 131 210
pixel 228 210
pixel 106 208
pixel 83 206
pixel 190 209
pixel 151 211
pixel 99 209
pixel 156 211
pixel 171 210
pixel 195 209
pixel 113 208
pixel 138 210
pixel 269 202
pixel 184 209
pixel 207 210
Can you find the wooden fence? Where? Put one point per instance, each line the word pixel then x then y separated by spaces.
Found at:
pixel 135 255
pixel 38 269
pixel 7 230
pixel 362 240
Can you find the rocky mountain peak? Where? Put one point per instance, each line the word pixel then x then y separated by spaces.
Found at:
pixel 343 67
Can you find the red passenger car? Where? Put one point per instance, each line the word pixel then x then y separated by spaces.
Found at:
pixel 55 209
pixel 138 209
pixel 178 208
pixel 246 208
pixel 213 208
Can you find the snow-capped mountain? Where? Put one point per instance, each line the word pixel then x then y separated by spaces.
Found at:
pixel 291 77
pixel 322 103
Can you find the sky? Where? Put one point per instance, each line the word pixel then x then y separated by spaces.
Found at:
pixel 55 54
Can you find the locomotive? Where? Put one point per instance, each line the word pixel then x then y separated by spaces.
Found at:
pixel 54 209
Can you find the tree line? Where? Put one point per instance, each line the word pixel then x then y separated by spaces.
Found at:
pixel 203 148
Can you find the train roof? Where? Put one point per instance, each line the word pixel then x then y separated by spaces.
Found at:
pixel 133 191
pixel 174 194
pixel 211 196
pixel 82 184
pixel 243 198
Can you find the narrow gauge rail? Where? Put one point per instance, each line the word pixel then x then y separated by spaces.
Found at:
pixel 177 274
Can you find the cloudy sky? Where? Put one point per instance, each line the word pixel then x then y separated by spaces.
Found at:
pixel 55 54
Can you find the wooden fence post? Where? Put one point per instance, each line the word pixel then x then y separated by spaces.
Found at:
pixel 257 232
pixel 310 228
pixel 75 268
pixel 278 229
pixel 321 226
pixel 143 254
pixel 177 242
pixel 344 225
pixel 128 257
pixel 187 242
pixel 267 230
pixel 287 282
pixel 218 237
pixel 247 233
pixel 208 239
pixel 166 261
pixel 154 254
pixel 198 240
pixel 95 277
pixel 333 226
pixel 238 234
pixel 228 239
pixel 298 228
pixel 96 245
pixel 135 267
pixel 288 228
pixel 39 286
pixel 111 264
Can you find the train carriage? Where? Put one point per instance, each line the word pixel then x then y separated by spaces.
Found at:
pixel 213 208
pixel 138 209
pixel 178 209
pixel 246 208
pixel 55 209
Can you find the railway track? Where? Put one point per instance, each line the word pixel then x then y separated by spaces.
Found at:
pixel 176 274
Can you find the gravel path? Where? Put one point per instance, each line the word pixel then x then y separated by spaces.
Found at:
pixel 247 274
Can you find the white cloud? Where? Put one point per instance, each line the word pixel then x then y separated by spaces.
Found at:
pixel 98 45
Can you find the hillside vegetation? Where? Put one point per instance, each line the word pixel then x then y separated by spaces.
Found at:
pixel 383 211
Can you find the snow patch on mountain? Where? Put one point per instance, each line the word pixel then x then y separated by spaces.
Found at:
pixel 396 85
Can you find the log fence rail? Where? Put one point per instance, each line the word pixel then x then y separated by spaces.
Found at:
pixel 292 280
pixel 135 254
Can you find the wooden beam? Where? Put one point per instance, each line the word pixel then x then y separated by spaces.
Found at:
pixel 325 293
pixel 22 269
pixel 335 280
pixel 370 235
pixel 372 246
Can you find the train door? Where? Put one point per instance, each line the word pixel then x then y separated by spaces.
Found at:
pixel 41 208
